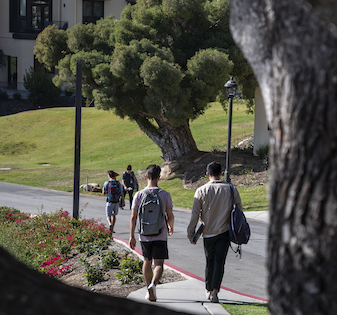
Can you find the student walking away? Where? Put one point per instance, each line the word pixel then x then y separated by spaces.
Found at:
pixel 153 206
pixel 212 205
pixel 129 182
pixel 114 191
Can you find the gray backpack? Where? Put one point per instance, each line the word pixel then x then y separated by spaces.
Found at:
pixel 151 216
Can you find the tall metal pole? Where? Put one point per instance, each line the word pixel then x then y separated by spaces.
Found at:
pixel 78 103
pixel 228 154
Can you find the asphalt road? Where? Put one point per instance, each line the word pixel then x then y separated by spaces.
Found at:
pixel 248 276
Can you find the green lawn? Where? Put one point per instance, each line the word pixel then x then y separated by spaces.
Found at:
pixel 247 309
pixel 38 147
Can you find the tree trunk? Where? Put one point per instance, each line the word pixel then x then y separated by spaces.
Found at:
pixel 174 142
pixel 292 51
pixel 25 292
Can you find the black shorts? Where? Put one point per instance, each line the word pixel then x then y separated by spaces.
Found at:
pixel 155 250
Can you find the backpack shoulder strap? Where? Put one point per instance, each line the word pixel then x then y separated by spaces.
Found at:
pixel 146 191
pixel 232 194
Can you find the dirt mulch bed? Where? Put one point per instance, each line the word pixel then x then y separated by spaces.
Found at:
pixel 111 285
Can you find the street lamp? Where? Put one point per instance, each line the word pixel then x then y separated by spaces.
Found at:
pixel 78 103
pixel 231 87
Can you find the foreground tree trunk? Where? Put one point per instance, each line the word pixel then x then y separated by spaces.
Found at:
pixel 292 51
pixel 25 292
pixel 174 142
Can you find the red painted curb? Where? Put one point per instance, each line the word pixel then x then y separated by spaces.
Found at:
pixel 138 251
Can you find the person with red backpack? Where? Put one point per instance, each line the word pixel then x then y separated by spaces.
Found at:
pixel 113 189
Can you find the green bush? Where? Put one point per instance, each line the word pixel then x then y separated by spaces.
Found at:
pixel 262 152
pixel 17 96
pixel 131 270
pixel 93 274
pixel 3 96
pixel 110 259
pixel 93 247
pixel 41 89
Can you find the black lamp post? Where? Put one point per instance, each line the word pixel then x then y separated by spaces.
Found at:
pixel 78 103
pixel 231 86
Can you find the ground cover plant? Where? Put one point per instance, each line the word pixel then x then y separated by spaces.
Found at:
pixel 45 241
pixel 78 253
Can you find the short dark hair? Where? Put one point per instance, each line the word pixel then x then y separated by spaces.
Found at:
pixel 153 171
pixel 129 168
pixel 214 169
pixel 112 174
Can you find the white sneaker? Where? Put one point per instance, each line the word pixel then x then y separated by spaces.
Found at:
pixel 147 295
pixel 151 289
pixel 208 295
pixel 214 298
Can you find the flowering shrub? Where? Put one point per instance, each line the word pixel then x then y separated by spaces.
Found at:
pixel 52 268
pixel 12 215
pixel 43 242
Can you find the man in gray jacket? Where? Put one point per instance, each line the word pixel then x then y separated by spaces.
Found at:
pixel 212 205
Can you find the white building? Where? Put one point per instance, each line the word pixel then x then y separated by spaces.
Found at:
pixel 22 20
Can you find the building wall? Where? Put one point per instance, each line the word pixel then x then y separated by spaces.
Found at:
pixel 114 7
pixel 261 132
pixel 62 11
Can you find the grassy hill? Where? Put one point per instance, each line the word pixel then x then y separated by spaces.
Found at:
pixel 38 147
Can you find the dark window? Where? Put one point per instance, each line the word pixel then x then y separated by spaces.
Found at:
pixel 92 11
pixel 29 16
pixel 12 72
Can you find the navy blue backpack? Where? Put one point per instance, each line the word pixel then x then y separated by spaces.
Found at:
pixel 239 230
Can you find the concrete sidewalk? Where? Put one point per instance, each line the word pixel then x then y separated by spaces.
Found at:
pixel 189 296
pixel 262 216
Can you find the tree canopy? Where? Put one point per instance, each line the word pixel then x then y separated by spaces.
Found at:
pixel 160 65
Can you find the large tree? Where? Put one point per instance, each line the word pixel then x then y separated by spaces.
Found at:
pixel 160 65
pixel 292 50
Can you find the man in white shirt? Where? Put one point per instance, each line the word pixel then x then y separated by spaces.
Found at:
pixel 212 205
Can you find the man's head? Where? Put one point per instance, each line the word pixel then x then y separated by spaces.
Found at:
pixel 129 168
pixel 214 169
pixel 153 172
pixel 112 174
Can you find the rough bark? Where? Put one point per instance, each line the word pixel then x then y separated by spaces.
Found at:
pixel 24 291
pixel 327 8
pixel 292 51
pixel 174 142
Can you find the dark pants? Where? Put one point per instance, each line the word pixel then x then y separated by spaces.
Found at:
pixel 130 192
pixel 216 249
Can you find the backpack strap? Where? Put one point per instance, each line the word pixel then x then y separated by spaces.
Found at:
pixel 232 194
pixel 238 249
pixel 147 192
